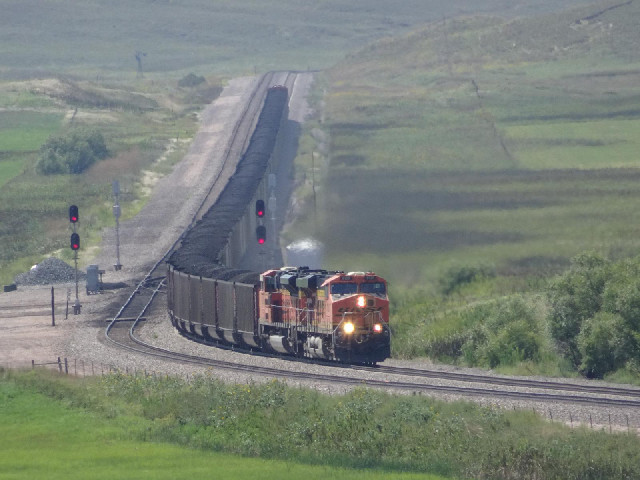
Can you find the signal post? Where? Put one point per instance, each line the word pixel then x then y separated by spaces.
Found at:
pixel 75 246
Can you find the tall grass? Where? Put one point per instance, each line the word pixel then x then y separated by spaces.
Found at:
pixel 51 439
pixel 361 429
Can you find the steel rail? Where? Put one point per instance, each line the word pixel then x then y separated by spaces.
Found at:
pixel 140 346
pixel 511 382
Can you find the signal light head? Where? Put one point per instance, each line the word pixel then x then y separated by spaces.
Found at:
pixel 73 213
pixel 261 234
pixel 75 241
pixel 259 208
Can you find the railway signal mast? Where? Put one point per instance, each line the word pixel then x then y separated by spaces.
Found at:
pixel 75 246
pixel 116 214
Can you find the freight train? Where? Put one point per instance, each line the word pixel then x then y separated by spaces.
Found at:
pixel 318 314
pixel 294 311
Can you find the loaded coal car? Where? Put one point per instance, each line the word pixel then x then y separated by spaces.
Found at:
pixel 292 311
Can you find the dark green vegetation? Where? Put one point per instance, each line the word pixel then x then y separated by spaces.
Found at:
pixel 364 429
pixel 595 314
pixel 470 161
pixel 72 153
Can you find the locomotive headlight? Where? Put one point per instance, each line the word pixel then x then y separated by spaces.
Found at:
pixel 348 327
pixel 377 328
pixel 362 301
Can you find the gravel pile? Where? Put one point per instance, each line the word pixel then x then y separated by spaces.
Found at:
pixel 49 271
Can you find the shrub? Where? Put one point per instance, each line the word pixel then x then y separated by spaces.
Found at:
pixel 514 343
pixel 191 80
pixel 510 334
pixel 574 297
pixel 606 343
pixel 71 153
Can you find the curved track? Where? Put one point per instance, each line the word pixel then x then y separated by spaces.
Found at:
pixel 545 391
pixel 121 329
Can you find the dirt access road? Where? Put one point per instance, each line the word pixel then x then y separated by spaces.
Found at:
pixel 26 331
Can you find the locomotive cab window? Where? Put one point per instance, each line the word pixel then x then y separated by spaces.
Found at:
pixel 377 288
pixel 344 288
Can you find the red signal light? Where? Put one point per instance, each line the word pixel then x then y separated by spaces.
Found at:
pixel 75 241
pixel 73 213
pixel 260 208
pixel 261 234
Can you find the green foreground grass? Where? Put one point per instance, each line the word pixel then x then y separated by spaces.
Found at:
pixel 119 425
pixel 46 438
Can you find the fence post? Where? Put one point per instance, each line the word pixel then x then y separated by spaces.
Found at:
pixel 591 421
pixel 33 364
pixel 627 417
pixel 66 366
pixel 59 365
pixel 53 309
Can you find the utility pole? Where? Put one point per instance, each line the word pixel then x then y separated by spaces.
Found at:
pixel 139 56
pixel 116 213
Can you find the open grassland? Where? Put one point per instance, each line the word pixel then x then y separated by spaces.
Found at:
pixel 118 426
pixel 56 79
pixel 48 438
pixel 222 36
pixel 478 140
pixel 138 126
pixel 468 162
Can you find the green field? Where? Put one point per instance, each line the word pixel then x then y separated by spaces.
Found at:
pixel 123 426
pixel 480 145
pixel 470 153
pixel 45 438
pixel 226 37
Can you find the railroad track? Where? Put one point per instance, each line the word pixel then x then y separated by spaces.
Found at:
pixel 547 391
pixel 510 382
pixel 140 301
pixel 121 331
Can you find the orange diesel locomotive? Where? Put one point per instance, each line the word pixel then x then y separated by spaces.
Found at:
pixel 327 315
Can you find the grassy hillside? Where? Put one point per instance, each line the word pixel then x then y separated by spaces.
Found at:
pixel 65 64
pixel 479 140
pixel 100 38
pixel 141 124
pixel 468 162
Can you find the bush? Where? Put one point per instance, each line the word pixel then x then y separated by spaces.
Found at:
pixel 191 80
pixel 509 335
pixel 606 343
pixel 574 297
pixel 71 153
